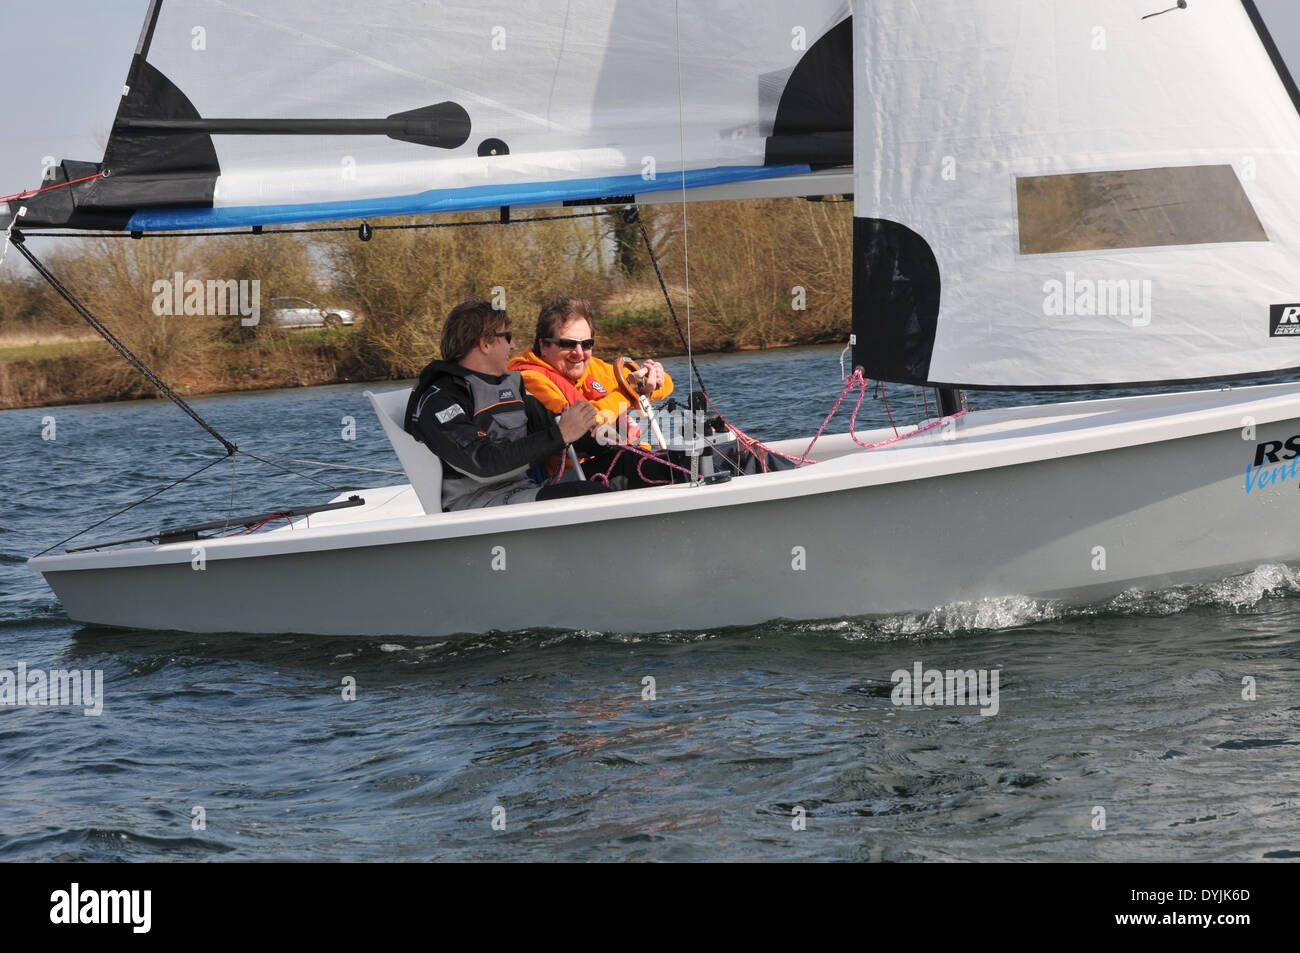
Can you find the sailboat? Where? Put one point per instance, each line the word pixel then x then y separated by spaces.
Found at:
pixel 1049 195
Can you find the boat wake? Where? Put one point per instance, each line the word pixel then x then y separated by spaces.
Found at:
pixel 1240 593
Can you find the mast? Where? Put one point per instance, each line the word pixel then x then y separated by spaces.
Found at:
pixel 950 399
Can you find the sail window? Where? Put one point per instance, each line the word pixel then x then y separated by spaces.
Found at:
pixel 1134 208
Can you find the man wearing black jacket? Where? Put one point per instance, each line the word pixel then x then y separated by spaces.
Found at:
pixel 476 415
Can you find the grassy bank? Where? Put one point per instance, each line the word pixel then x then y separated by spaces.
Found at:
pixel 762 274
pixel 34 347
pixel 81 372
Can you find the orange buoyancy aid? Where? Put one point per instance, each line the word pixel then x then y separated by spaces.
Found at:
pixel 533 366
pixel 598 384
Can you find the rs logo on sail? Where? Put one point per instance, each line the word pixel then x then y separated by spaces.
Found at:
pixel 1271 451
pixel 1283 320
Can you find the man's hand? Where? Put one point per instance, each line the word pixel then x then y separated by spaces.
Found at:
pixel 577 420
pixel 649 378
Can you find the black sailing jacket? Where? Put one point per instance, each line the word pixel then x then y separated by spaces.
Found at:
pixel 479 425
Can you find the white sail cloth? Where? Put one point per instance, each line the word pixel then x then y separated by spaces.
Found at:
pixel 585 95
pixel 1108 199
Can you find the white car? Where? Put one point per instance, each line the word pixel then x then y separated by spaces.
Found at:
pixel 301 313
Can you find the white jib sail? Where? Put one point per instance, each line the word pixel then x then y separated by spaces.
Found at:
pixel 584 96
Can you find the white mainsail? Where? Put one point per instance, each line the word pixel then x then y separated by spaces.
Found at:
pixel 1061 193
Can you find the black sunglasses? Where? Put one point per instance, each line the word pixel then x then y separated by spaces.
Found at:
pixel 508 335
pixel 569 344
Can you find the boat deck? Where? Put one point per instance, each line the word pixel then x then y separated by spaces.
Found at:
pixel 1009 435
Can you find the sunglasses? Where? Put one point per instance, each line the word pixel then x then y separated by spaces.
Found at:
pixel 508 335
pixel 569 344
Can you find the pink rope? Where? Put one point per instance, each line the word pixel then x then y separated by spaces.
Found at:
pixel 749 443
pixel 857 376
pixel 604 477
pixel 862 382
pixel 885 443
pixel 647 455
pixel 889 412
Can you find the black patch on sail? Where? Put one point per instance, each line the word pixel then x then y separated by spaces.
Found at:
pixel 88 204
pixel 156 169
pixel 145 169
pixel 58 208
pixel 814 118
pixel 895 301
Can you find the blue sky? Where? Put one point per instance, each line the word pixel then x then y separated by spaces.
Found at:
pixel 65 63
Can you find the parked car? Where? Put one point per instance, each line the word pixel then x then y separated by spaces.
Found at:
pixel 301 313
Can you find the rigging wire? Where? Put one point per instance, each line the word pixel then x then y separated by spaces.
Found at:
pixel 233 458
pixel 686 240
pixel 272 463
pixel 129 506
pixel 153 378
pixel 230 509
pixel 111 338
pixel 343 466
pixel 17 239
pixel 672 311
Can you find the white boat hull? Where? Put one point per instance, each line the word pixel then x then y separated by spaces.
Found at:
pixel 1072 501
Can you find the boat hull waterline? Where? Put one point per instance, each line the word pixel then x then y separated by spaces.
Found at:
pixel 1075 502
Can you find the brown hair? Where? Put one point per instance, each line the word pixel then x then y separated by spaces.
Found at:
pixel 468 324
pixel 558 310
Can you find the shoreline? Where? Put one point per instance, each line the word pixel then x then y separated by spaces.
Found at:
pixel 73 379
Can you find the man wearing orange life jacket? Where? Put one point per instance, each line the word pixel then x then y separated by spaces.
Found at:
pixel 560 369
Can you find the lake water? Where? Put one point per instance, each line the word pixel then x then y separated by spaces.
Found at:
pixel 775 742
